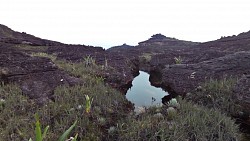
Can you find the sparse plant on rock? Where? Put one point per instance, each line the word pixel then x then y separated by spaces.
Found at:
pixel 178 60
pixel 89 61
pixel 145 57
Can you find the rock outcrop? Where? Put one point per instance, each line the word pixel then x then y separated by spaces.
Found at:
pixel 161 40
pixel 124 68
pixel 36 76
pixel 183 78
pixel 225 57
pixel 7 35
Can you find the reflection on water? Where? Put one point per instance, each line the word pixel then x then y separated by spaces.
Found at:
pixel 142 93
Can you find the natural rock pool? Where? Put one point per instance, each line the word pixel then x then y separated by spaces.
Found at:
pixel 142 93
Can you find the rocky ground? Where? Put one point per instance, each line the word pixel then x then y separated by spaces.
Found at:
pixel 181 67
pixel 19 66
pixel 175 65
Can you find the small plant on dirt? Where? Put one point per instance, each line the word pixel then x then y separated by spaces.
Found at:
pixel 173 103
pixel 65 135
pixel 171 113
pixel 178 60
pixel 190 122
pixel 89 61
pixel 88 104
pixel 40 136
pixel 106 63
pixel 2 103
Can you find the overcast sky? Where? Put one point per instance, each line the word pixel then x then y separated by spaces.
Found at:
pixel 108 23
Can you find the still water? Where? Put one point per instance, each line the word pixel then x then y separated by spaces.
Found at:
pixel 142 93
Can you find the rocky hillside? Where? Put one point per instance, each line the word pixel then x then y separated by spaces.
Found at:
pixel 40 66
pixel 18 62
pixel 180 67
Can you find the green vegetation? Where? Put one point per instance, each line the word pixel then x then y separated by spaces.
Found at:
pixel 145 57
pixel 109 118
pixel 88 104
pixel 40 136
pixel 191 122
pixel 217 94
pixel 106 114
pixel 26 48
pixel 16 114
pixel 41 54
pixel 178 60
pixel 89 61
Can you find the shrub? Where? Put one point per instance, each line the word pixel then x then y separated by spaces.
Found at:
pixel 191 123
pixel 16 116
pixel 217 94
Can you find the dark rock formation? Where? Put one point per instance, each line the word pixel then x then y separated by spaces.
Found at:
pixel 161 40
pixel 37 76
pixel 7 35
pixel 199 61
pixel 125 68
pixel 183 78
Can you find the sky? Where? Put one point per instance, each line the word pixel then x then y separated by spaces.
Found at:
pixel 109 23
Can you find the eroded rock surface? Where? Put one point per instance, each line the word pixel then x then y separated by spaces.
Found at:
pixel 183 78
pixel 124 68
pixel 37 76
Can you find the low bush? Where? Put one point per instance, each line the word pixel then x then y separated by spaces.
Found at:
pixel 217 94
pixel 192 123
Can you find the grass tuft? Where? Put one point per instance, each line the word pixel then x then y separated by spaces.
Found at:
pixel 217 94
pixel 191 123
